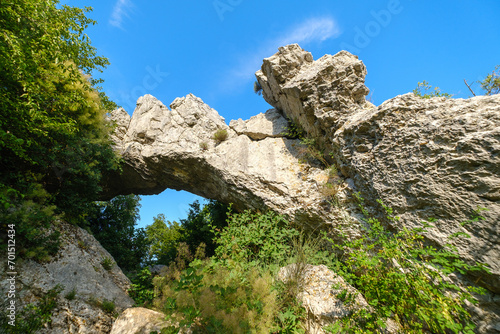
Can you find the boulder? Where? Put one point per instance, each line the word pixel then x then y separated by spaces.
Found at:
pixel 269 124
pixel 321 293
pixel 139 320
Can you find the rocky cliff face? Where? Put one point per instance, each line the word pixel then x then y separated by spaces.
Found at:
pixel 253 168
pixel 425 158
pixel 76 268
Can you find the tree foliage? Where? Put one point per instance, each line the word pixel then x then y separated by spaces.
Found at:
pixel 491 84
pixel 424 90
pixel 53 133
pixel 165 236
pixel 199 224
pixel 113 225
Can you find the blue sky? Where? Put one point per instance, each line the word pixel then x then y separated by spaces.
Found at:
pixel 212 48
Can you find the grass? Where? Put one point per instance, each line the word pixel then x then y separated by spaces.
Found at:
pixel 204 146
pixel 71 295
pixel 220 136
pixel 107 263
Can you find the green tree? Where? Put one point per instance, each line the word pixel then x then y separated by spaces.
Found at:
pixel 113 225
pixel 164 238
pixel 52 115
pixel 53 134
pixel 198 226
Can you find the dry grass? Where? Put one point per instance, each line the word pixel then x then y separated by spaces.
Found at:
pixel 220 136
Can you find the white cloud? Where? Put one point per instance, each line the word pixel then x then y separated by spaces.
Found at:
pixel 312 30
pixel 317 29
pixel 120 11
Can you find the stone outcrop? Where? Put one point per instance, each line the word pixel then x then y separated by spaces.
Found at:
pixel 319 292
pixel 432 158
pixel 76 267
pixel 319 95
pixel 425 158
pixel 253 168
pixel 139 320
pixel 269 124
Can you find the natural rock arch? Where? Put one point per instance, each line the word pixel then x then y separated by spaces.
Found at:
pixel 424 157
pixel 255 167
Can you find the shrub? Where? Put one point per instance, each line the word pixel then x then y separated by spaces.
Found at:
pixel 214 299
pixel 294 130
pixel 32 317
pixel 404 280
pixel 220 136
pixel 424 90
pixel 309 150
pixel 491 84
pixel 233 292
pixel 311 153
pixel 256 239
pixel 107 263
pixel 204 146
pixel 329 191
pixel 141 289
pixel 107 306
pixel 35 221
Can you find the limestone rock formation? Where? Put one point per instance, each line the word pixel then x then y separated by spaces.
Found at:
pixel 319 95
pixel 173 148
pixel 139 320
pixel 425 158
pixel 319 292
pixel 76 267
pixel 432 158
pixel 269 124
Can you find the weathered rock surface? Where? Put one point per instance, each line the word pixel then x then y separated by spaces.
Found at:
pixel 319 95
pixel 432 158
pixel 319 292
pixel 426 158
pixel 162 149
pixel 77 266
pixel 269 124
pixel 139 320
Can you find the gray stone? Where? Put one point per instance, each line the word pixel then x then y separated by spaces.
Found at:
pixel 319 291
pixel 162 150
pixel 425 158
pixel 432 158
pixel 121 120
pixel 270 124
pixel 319 95
pixel 326 296
pixel 77 266
pixel 139 320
